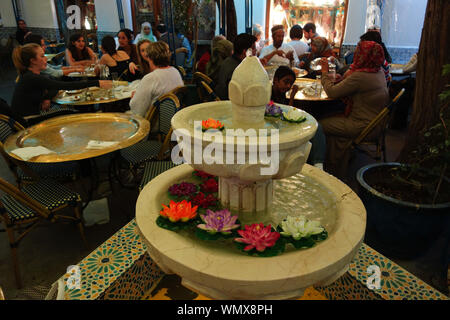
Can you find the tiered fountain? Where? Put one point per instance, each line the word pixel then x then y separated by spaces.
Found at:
pixel 258 189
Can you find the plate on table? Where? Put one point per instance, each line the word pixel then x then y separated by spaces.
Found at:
pixel 299 73
pixel 74 91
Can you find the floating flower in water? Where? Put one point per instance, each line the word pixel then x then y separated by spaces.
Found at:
pixel 218 221
pixel 204 201
pixel 179 211
pixel 211 124
pixel 257 236
pixel 203 175
pixel 294 115
pixel 300 227
pixel 272 110
pixel 183 189
pixel 210 186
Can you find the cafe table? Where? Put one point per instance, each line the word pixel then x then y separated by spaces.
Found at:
pixel 77 137
pixel 309 90
pixel 396 70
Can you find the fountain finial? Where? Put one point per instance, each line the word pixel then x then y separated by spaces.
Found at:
pixel 249 91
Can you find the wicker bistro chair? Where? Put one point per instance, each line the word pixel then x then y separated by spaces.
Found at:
pixel 22 210
pixel 379 142
pixel 29 172
pixel 203 94
pixel 153 169
pixel 211 94
pixel 161 115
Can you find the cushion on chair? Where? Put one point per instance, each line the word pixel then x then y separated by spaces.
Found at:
pixel 16 210
pixel 141 152
pixel 51 194
pixel 64 170
pixel 153 169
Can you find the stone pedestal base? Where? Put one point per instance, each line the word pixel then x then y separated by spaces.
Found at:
pixel 252 201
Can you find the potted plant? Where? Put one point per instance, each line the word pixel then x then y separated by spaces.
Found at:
pixel 408 205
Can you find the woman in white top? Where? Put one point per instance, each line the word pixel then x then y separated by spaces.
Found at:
pixel 161 79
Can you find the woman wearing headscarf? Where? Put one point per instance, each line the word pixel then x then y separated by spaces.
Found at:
pixel 365 87
pixel 222 50
pixel 146 33
pixel 376 37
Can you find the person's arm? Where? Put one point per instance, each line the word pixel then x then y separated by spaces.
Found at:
pixel 92 55
pixel 49 84
pixel 345 88
pixel 55 73
pixel 142 98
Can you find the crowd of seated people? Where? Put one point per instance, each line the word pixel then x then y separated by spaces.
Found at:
pixel 361 91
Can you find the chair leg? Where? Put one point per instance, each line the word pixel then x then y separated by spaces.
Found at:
pixel 15 260
pixel 80 225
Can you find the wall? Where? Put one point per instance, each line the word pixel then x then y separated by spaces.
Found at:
pixel 259 15
pixel 39 14
pixel 7 12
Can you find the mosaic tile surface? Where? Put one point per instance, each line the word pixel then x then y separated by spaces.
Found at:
pixel 121 269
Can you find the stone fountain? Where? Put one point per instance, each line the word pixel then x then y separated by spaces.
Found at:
pixel 262 174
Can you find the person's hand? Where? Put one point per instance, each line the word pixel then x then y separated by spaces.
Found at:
pixel 181 50
pixel 133 67
pixel 324 65
pixel 105 84
pixel 338 78
pixel 78 69
pixel 294 90
pixel 290 55
pixel 302 64
pixel 263 61
pixel 45 105
pixel 280 53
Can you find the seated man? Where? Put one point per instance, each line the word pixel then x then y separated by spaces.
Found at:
pixel 283 80
pixel 279 53
pixel 241 45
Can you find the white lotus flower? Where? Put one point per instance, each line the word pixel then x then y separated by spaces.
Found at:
pixel 294 115
pixel 300 227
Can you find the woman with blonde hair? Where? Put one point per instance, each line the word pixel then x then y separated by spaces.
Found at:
pixel 144 66
pixel 161 79
pixel 33 91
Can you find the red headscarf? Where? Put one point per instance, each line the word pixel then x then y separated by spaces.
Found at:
pixel 369 57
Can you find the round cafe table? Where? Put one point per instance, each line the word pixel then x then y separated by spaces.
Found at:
pixel 78 137
pixel 97 96
pixel 70 137
pixel 306 91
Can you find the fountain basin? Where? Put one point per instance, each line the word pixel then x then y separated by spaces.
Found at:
pixel 224 273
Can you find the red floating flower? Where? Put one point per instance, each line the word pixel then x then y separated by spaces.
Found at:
pixel 203 175
pixel 212 124
pixel 204 201
pixel 257 236
pixel 210 186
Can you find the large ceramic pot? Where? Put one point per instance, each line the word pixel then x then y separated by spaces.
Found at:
pixel 400 229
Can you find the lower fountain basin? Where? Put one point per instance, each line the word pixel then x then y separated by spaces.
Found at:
pixel 223 272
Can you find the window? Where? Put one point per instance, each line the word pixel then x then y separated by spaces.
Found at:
pixel 328 15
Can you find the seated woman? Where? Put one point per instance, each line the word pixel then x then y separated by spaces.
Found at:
pixel 365 86
pixel 222 50
pixel 144 66
pixel 320 48
pixel 77 53
pixel 117 60
pixel 376 37
pixel 52 71
pixel 283 81
pixel 204 59
pixel 33 91
pixel 146 33
pixel 162 78
pixel 125 38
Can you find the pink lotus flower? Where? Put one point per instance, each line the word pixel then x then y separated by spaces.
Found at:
pixel 257 236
